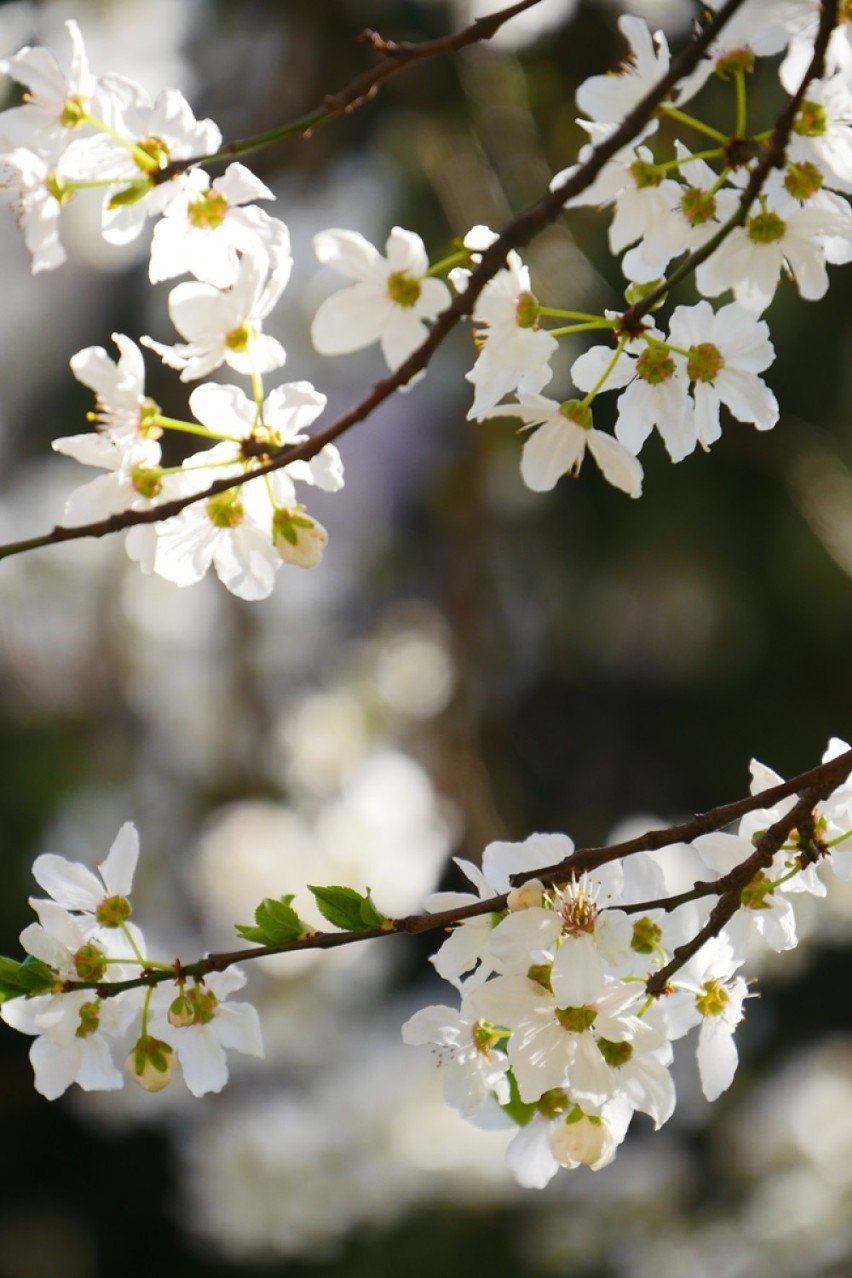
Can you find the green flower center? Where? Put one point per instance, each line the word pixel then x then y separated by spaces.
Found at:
pixel 238 339
pixel 156 150
pixel 754 894
pixel 645 174
pixel 802 181
pixel 526 311
pixel 90 1019
pixel 655 365
pixel 812 121
pixel 89 963
pixel 147 481
pixel 113 911
pixel 73 113
pixel 714 1000
pixel 734 62
pixel 209 212
pixel 403 289
pixel 646 936
pixel 577 412
pixel 766 228
pixel 225 510
pixel 697 206
pixel 705 362
pixel 576 1019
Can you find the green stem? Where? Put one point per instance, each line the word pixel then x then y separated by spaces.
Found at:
pixel 188 428
pixel 461 258
pixel 605 374
pixel 691 123
pixel 595 326
pixel 575 315
pixel 741 104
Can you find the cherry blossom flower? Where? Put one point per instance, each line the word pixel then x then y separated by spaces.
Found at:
pixel 123 412
pixel 133 476
pixel 100 899
pixel 570 1139
pixel 617 174
pixel 390 302
pixel 199 1025
pixel 727 349
pixel 233 531
pixel 514 352
pixel 465 959
pixel 56 102
pixel 656 393
pixel 70 1046
pixel 143 139
pixel 764 910
pixel 578 1034
pixel 474 1071
pixel 38 204
pixel 707 993
pixel 679 222
pixel 225 325
pixel 822 131
pixel 781 235
pixel 559 444
pixel 609 97
pixel 206 226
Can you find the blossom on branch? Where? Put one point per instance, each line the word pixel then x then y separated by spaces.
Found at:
pixel 391 301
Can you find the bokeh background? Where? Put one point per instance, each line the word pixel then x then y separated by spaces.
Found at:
pixel 471 661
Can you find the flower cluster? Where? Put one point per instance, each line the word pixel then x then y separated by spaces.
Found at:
pixel 82 944
pixel 76 131
pixel 556 1031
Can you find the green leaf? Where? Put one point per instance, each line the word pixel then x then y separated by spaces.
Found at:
pixel 345 908
pixel 275 923
pixel 30 977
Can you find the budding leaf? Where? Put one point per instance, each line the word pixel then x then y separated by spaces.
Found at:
pixel 30 977
pixel 275 922
pixel 348 909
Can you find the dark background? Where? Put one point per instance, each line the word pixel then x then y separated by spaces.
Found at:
pixel 611 657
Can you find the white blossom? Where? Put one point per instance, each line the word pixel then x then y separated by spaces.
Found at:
pixel 208 224
pixel 727 349
pixel 199 1025
pixel 390 302
pixel 559 443
pixel 225 325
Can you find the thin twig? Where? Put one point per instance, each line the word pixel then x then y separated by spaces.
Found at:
pixel 397 56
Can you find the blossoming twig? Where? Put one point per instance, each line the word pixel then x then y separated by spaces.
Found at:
pixel 519 232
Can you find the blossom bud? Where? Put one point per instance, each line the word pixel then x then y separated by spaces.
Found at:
pixel 581 1138
pixel 526 896
pixel 151 1063
pixel 298 538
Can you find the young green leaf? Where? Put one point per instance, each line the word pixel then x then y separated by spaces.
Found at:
pixel 30 977
pixel 275 922
pixel 345 908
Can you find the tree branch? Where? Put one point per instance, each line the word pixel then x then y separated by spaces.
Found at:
pixel 813 786
pixel 518 233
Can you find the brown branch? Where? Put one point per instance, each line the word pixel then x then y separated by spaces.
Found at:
pixel 516 234
pixel 772 158
pixel 730 900
pixel 816 784
pixel 397 56
pixel 831 773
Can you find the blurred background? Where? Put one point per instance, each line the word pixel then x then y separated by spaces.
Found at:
pixel 471 661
